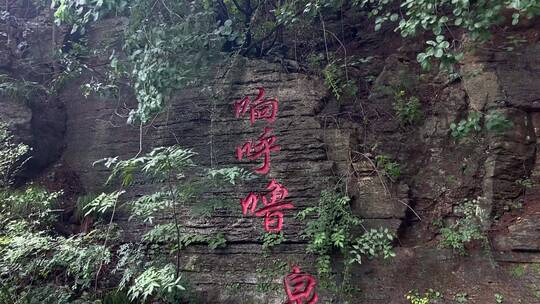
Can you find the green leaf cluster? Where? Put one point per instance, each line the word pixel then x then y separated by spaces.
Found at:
pixel 442 18
pixel 337 82
pixel 80 13
pixel 272 239
pixel 464 127
pixel 389 168
pixel 172 45
pixel 494 122
pixel 102 203
pixel 430 296
pixel 466 229
pixel 161 281
pixel 178 182
pixel 408 109
pixel 373 243
pixel 332 231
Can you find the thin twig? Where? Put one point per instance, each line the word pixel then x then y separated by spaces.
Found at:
pixel 408 206
pixel 105 244
pixel 140 139
pixel 377 171
pixel 175 215
pixel 344 54
pixel 171 11
pixel 324 36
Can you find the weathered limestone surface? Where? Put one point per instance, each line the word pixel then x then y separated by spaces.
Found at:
pixel 310 156
pixel 320 139
pixel 508 83
pixel 438 174
pixel 209 127
pixel 18 117
pixel 27 45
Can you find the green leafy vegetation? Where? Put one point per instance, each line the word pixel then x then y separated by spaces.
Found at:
pixel 390 168
pixel 461 298
pixel 167 167
pixel 22 90
pixel 441 19
pixel 169 46
pixel 217 241
pixel 536 267
pixel 408 109
pixel 210 33
pixel 272 239
pixel 336 81
pixel 36 263
pixel 465 126
pixel 495 122
pixel 429 297
pixel 151 45
pixel 269 276
pixel 26 219
pixel 466 229
pixel 11 156
pixel 30 253
pixel 102 203
pixel 372 244
pixel 518 271
pixel 332 231
pixel 161 281
pixel 525 183
pixel 80 13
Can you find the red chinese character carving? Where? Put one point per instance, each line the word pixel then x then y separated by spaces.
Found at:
pixel 260 108
pixel 263 147
pixel 249 203
pixel 273 217
pixel 300 287
pixel 272 210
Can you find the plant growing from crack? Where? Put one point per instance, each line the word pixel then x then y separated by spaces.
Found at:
pixel 331 231
pixel 466 229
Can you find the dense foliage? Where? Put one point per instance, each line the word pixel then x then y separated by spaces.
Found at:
pixel 39 265
pixel 444 19
pixel 208 33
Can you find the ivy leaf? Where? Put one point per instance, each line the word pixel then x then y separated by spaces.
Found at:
pixel 515 18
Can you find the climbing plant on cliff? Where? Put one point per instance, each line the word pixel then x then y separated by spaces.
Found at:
pixel 334 230
pixel 445 19
pixel 147 271
pixel 170 45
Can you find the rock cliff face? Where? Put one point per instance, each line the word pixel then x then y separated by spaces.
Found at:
pixel 323 140
pixel 210 128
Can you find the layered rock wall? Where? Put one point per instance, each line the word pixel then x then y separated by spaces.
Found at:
pixel 322 141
